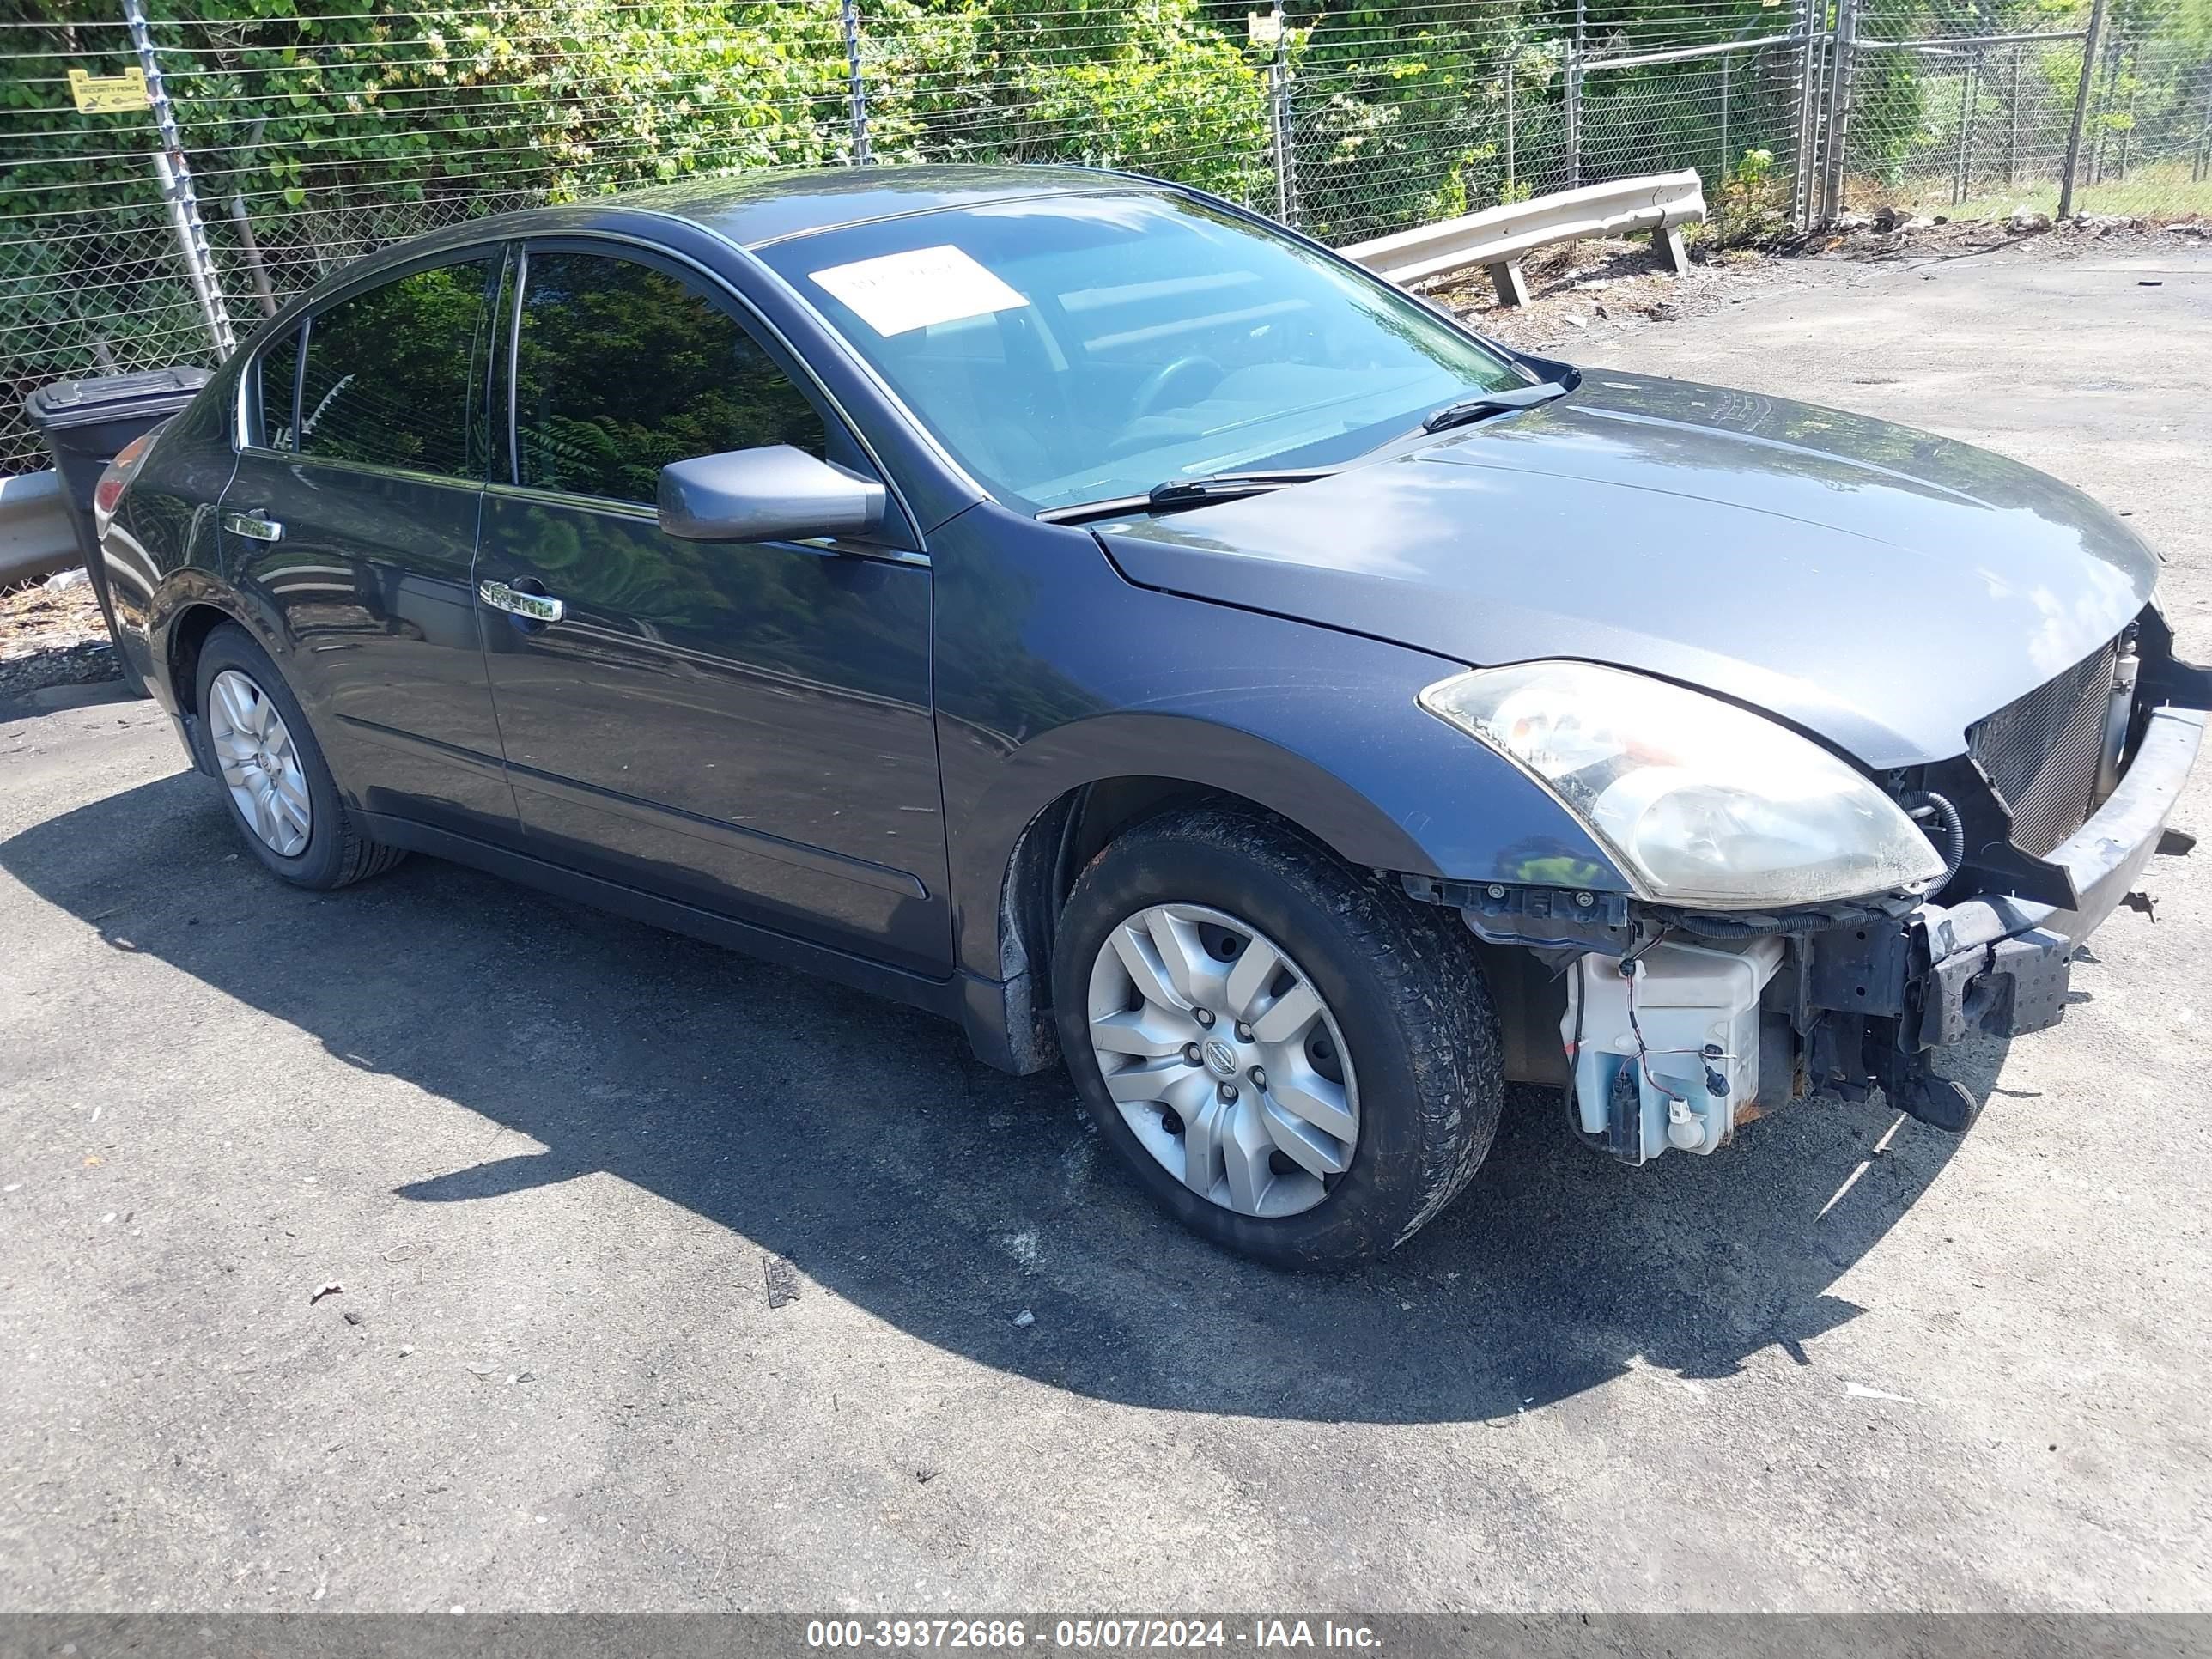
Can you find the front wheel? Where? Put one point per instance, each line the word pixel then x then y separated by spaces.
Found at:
pixel 1295 1060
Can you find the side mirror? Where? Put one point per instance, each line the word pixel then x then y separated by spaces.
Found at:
pixel 772 493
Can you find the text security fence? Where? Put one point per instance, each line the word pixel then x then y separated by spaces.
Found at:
pixel 171 175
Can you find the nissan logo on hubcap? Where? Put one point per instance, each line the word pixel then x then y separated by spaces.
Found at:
pixel 1220 1056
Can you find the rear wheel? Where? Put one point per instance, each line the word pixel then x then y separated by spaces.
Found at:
pixel 274 779
pixel 1295 1060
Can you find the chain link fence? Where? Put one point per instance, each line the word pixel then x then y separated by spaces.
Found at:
pixel 276 140
pixel 90 275
pixel 2102 108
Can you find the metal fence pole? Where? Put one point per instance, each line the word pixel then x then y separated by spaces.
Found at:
pixel 2012 145
pixel 1279 116
pixel 175 178
pixel 1724 119
pixel 856 85
pixel 1820 110
pixel 1574 91
pixel 1839 111
pixel 2203 157
pixel 1512 57
pixel 2081 109
pixel 2101 138
pixel 1969 95
pixel 2128 132
pixel 1797 147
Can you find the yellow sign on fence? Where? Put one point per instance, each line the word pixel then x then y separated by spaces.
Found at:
pixel 106 94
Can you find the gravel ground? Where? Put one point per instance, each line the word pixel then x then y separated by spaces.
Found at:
pixel 1584 294
pixel 51 634
pixel 565 1170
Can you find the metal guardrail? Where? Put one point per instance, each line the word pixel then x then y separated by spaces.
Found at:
pixel 1496 238
pixel 35 536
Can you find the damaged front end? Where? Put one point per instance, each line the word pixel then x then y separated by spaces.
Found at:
pixel 1682 1022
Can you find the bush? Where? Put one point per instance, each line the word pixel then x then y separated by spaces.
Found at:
pixel 1751 207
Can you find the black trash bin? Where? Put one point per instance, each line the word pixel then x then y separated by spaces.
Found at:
pixel 86 422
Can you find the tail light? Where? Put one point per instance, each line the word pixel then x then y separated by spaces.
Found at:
pixel 109 490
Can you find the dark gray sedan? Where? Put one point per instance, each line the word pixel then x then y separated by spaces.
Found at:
pixel 1081 607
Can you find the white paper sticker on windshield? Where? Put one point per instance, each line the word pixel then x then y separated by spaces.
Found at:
pixel 899 292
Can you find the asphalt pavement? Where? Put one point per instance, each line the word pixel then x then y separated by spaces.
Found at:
pixel 435 1244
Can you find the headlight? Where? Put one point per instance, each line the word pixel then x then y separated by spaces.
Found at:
pixel 1701 803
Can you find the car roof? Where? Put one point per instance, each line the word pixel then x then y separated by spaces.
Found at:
pixel 753 208
pixel 750 210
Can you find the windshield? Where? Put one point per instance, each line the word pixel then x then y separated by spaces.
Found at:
pixel 1073 349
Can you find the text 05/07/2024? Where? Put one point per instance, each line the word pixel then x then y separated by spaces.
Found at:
pixel 1128 1633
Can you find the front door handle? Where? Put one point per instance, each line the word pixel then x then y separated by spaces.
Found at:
pixel 533 607
pixel 253 526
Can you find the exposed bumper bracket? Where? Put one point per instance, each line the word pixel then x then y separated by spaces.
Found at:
pixel 2000 966
pixel 2006 989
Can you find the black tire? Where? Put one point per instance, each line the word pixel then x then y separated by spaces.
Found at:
pixel 338 852
pixel 1401 979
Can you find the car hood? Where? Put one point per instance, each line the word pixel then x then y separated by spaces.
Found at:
pixel 1878 586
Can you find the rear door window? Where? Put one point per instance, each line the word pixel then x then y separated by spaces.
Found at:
pixel 621 369
pixel 396 375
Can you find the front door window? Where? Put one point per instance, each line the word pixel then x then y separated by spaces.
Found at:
pixel 621 369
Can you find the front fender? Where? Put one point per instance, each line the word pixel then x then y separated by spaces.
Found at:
pixel 1406 801
pixel 1086 678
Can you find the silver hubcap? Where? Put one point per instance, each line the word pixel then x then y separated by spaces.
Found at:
pixel 1226 1064
pixel 260 766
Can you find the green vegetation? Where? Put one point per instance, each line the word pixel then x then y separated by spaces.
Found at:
pixel 319 128
pixel 1751 207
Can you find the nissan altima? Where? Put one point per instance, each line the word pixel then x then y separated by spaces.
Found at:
pixel 1077 606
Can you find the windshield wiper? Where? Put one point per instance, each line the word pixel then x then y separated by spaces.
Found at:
pixel 1174 494
pixel 1224 486
pixel 1493 402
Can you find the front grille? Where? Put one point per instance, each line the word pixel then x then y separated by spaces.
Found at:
pixel 2040 753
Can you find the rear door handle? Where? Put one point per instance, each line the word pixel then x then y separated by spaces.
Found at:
pixel 253 526
pixel 535 607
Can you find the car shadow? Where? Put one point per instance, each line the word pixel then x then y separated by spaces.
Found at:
pixel 860 1141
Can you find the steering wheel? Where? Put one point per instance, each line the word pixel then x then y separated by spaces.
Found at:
pixel 1153 393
